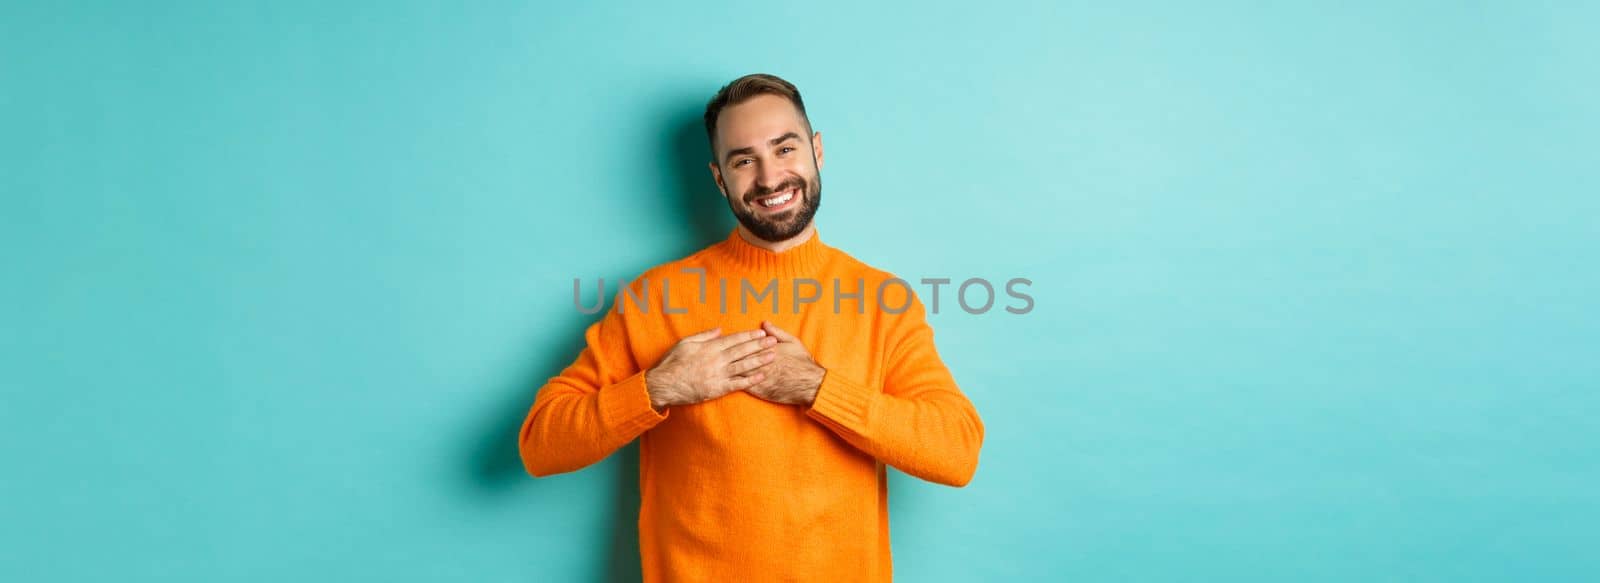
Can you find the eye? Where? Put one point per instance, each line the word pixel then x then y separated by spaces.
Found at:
pixel 741 162
pixel 786 149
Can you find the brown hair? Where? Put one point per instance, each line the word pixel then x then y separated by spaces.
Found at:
pixel 744 88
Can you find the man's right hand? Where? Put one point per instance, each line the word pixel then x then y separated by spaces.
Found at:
pixel 705 366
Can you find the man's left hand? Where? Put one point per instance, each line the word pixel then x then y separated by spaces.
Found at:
pixel 793 377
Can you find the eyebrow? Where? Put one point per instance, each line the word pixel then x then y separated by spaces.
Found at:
pixel 749 150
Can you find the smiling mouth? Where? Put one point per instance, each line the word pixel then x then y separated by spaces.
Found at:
pixel 777 201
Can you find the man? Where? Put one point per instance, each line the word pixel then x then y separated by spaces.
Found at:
pixel 764 433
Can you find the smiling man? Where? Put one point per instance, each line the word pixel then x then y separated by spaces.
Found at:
pixel 764 434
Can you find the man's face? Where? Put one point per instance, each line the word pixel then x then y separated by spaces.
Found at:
pixel 768 167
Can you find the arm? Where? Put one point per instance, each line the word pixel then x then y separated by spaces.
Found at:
pixel 595 406
pixel 920 422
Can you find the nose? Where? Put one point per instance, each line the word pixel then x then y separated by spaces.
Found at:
pixel 770 177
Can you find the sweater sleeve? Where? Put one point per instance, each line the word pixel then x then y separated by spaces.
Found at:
pixel 595 406
pixel 919 422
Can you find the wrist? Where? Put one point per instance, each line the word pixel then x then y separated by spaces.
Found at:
pixel 655 386
pixel 814 384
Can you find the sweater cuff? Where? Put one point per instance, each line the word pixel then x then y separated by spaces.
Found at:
pixel 625 407
pixel 843 404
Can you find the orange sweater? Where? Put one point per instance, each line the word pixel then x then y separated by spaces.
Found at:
pixel 741 489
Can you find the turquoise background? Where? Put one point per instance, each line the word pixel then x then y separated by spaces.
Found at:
pixel 1315 283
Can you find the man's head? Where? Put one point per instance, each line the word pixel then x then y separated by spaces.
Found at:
pixel 765 158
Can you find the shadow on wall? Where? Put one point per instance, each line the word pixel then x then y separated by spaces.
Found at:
pixel 702 217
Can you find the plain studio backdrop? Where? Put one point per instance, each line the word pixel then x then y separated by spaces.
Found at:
pixel 1315 283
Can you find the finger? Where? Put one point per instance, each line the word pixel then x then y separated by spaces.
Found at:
pixel 780 333
pixel 732 339
pixel 748 347
pixel 752 362
pixel 703 336
pixel 783 335
pixel 745 382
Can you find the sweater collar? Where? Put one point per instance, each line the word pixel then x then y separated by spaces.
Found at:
pixel 801 260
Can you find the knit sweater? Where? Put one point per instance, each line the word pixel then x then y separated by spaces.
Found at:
pixel 742 489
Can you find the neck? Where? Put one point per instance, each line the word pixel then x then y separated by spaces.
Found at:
pixel 780 246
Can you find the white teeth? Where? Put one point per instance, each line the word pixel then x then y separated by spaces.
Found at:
pixel 778 200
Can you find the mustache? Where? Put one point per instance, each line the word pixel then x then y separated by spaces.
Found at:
pixel 760 191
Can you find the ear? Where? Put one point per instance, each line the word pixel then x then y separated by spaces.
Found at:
pixel 716 175
pixel 816 146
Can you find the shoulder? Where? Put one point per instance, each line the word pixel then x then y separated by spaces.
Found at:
pixel 893 294
pixel 848 265
pixel 645 296
pixel 686 266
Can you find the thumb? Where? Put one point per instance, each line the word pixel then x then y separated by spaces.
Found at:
pixel 779 333
pixel 704 336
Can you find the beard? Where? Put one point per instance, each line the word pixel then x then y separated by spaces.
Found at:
pixel 784 225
